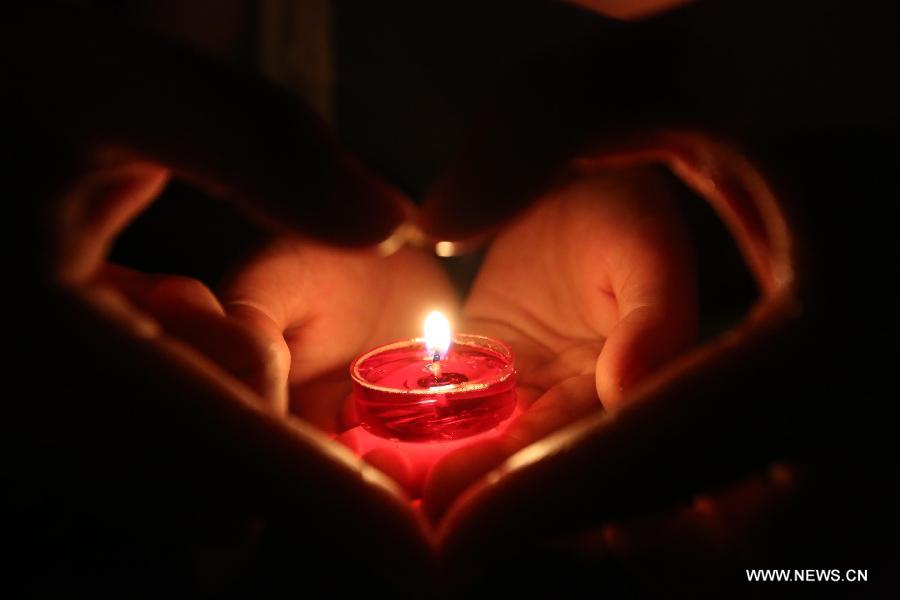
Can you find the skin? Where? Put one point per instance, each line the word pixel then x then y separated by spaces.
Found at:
pixel 321 307
pixel 144 433
pixel 817 261
pixel 771 137
pixel 593 288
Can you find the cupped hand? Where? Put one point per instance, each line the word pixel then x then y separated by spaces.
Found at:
pixel 726 408
pixel 137 421
pixel 593 287
pixel 321 306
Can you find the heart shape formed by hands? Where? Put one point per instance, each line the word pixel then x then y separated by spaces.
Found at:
pixel 558 356
pixel 602 263
pixel 591 285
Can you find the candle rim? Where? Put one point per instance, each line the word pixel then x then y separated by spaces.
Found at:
pixel 461 339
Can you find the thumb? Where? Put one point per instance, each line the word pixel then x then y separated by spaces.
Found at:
pixel 640 342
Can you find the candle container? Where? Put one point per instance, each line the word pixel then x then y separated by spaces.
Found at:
pixel 402 393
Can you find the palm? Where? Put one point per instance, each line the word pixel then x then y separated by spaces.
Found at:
pixel 324 306
pixel 559 281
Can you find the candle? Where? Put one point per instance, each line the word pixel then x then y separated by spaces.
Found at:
pixel 435 388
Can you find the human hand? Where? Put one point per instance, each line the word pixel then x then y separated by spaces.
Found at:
pixel 642 97
pixel 321 306
pixel 134 426
pixel 593 287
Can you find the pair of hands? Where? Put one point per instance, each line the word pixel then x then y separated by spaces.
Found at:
pixel 592 288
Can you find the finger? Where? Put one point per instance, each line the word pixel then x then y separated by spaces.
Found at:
pixel 188 310
pixel 323 401
pixel 563 404
pixel 642 341
pixel 239 137
pixel 276 294
pixel 303 286
pixel 393 464
pixel 409 463
pixel 269 376
pixel 94 207
pixel 328 305
pixel 652 276
pixel 163 432
pixel 679 435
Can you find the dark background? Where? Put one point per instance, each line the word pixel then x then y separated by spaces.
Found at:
pixel 410 78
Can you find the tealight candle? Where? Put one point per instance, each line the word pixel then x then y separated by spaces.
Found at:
pixel 436 388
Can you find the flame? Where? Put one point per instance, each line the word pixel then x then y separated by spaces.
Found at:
pixel 437 334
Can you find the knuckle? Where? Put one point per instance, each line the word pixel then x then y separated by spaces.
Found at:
pixel 181 289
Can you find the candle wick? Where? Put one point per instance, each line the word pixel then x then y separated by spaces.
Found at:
pixel 436 366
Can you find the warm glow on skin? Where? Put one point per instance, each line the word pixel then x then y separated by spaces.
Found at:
pixel 409 463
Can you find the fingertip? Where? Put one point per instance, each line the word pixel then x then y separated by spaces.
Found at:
pixel 188 310
pixel 642 341
pixel 268 373
pixel 174 294
pixel 457 471
pixel 269 364
pixel 96 206
pixel 612 381
pixel 623 361
pixel 393 464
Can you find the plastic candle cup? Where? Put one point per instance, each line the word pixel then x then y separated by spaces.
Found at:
pixel 436 388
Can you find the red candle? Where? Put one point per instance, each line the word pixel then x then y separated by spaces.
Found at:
pixel 436 388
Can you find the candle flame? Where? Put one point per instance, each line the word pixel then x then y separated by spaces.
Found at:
pixel 437 334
